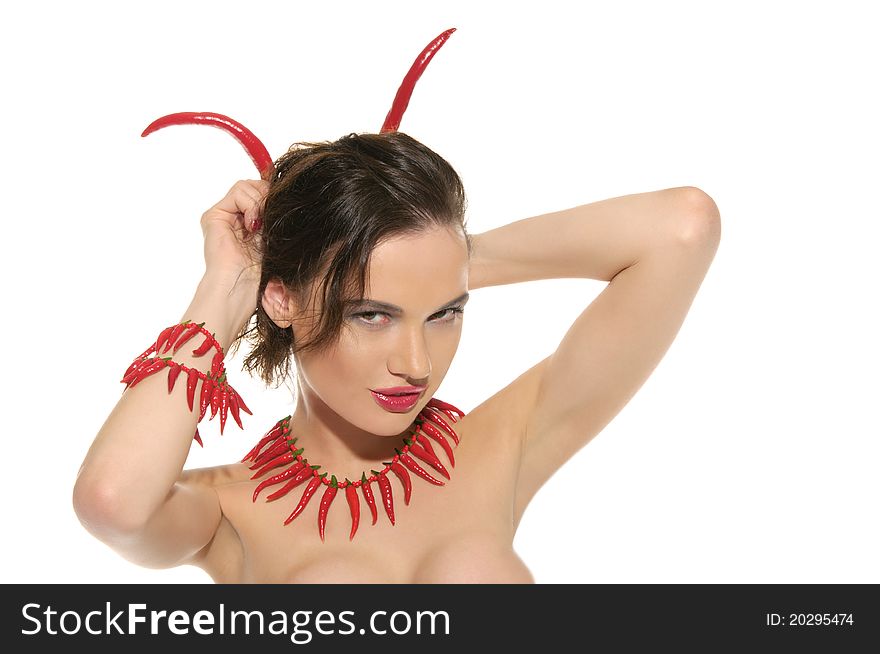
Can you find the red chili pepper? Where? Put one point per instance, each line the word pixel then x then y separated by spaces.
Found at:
pixel 145 372
pixel 280 460
pixel 306 473
pixel 216 362
pixel 134 368
pixel 403 475
pixel 410 463
pixel 215 399
pixel 198 438
pixel 233 408
pixel 368 496
pixel 418 451
pixel 172 376
pixel 434 415
pixel 252 145
pixel 387 496
pixel 440 404
pixel 277 449
pixel 205 396
pixel 131 369
pixel 163 336
pixel 354 506
pixel 224 406
pixel 326 501
pixel 425 444
pixel 191 382
pixel 204 347
pixel 306 496
pixel 271 435
pixel 175 332
pixel 241 404
pixel 401 100
pixel 433 432
pixel 187 334
pixel 423 440
pixel 277 479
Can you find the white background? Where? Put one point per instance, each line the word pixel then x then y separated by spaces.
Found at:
pixel 750 454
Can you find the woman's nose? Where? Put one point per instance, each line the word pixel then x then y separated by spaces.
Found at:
pixel 411 358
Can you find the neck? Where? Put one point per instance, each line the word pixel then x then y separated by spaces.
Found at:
pixel 338 446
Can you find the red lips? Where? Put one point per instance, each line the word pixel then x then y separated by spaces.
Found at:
pixel 397 390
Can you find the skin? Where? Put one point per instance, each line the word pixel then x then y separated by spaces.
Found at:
pixel 337 420
pixel 652 248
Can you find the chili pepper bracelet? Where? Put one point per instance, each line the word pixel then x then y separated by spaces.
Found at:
pixel 216 392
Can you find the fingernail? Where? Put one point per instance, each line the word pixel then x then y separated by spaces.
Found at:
pixel 257 224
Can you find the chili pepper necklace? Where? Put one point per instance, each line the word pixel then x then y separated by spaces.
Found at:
pixel 278 448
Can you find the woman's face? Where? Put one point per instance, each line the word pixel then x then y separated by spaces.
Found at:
pixel 424 276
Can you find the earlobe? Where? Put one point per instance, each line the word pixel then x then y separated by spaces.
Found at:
pixel 276 303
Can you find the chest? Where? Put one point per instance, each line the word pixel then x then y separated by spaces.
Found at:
pixel 456 533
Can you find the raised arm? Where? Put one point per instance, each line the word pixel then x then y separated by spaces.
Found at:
pixel 654 249
pixel 131 491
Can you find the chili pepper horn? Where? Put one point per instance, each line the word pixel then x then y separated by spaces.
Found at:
pixel 252 145
pixel 401 100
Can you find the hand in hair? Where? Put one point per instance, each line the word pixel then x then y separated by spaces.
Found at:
pixel 232 233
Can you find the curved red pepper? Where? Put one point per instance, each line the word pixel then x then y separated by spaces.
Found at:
pixel 401 100
pixel 434 415
pixel 277 479
pixel 172 377
pixel 354 506
pixel 306 496
pixel 271 435
pixel 240 402
pixel 403 475
pixel 430 430
pixel 430 458
pixel 192 380
pixel 299 478
pixel 252 145
pixel 224 407
pixel 410 463
pixel 205 396
pixel 233 409
pixel 326 501
pixel 387 495
pixel 163 337
pixel 368 496
pixel 446 407
pixel 176 331
pixel 280 460
pixel 187 334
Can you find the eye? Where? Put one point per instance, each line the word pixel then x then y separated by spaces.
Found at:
pixel 366 317
pixel 456 311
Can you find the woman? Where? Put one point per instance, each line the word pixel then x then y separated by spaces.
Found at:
pixel 354 259
pixel 289 242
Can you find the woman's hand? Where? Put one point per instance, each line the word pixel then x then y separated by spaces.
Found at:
pixel 232 234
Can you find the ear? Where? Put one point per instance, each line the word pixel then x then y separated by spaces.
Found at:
pixel 278 303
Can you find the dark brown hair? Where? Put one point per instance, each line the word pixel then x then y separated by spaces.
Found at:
pixel 328 206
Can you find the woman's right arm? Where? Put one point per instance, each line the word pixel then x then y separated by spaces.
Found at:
pixel 130 492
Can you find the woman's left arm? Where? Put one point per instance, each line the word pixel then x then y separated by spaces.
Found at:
pixel 654 249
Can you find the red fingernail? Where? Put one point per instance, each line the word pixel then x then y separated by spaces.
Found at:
pixel 257 224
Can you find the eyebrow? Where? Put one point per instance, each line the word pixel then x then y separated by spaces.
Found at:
pixel 393 308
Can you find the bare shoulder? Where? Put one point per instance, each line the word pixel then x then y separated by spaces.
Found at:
pixel 216 476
